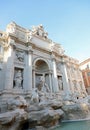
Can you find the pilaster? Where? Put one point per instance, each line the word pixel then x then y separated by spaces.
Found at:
pixel 34 80
pixel 28 71
pixel 9 71
pixel 65 78
pixel 71 83
pixel 50 79
pixel 55 81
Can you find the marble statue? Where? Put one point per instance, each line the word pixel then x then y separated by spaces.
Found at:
pixel 60 83
pixel 18 79
pixel 42 85
pixel 34 96
pixel 39 30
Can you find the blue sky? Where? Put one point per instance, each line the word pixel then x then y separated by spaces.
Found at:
pixel 66 21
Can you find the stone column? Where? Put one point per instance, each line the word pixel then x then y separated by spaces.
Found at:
pixel 28 72
pixel 65 79
pixel 55 81
pixel 50 81
pixel 34 80
pixel 9 72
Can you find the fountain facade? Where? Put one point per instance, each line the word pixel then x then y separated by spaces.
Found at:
pixel 37 69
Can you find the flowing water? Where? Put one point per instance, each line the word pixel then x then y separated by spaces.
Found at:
pixel 75 125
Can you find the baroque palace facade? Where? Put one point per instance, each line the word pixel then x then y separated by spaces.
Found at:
pixel 85 68
pixel 29 59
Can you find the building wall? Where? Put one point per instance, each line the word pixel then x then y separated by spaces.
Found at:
pixel 85 64
pixel 86 76
pixel 29 55
pixel 85 68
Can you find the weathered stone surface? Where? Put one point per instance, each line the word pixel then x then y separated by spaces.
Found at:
pixel 17 102
pixel 39 128
pixel 35 107
pixel 51 103
pixel 76 111
pixel 45 117
pixel 46 113
pixel 12 120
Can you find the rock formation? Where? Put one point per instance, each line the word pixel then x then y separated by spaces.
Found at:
pixel 42 111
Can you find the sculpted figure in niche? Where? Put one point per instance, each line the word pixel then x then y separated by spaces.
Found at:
pixel 60 83
pixel 18 79
pixel 20 56
pixel 42 86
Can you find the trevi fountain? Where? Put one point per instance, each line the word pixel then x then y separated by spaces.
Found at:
pixel 40 86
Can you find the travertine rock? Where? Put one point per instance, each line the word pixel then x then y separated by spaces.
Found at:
pixel 76 111
pixel 46 117
pixel 17 102
pixel 12 120
pixel 51 103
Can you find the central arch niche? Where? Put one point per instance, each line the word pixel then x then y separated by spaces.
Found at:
pixel 41 66
pixel 41 70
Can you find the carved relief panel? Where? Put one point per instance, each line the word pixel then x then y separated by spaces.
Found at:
pixel 75 86
pixel 73 71
pixel 58 67
pixel 19 60
pixel 19 56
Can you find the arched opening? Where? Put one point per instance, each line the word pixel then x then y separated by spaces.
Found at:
pixel 42 73
pixel 41 66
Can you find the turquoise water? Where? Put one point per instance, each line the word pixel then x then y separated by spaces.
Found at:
pixel 80 125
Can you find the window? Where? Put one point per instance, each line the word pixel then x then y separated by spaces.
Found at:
pixel 87 66
pixel 88 73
